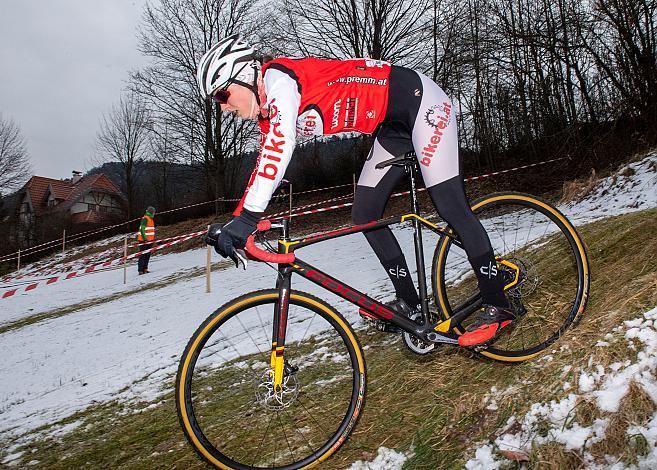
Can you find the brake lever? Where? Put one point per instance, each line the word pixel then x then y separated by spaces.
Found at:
pixel 239 257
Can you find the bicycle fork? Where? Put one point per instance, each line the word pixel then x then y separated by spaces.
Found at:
pixel 277 357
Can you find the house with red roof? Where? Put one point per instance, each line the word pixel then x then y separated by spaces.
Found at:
pixel 80 202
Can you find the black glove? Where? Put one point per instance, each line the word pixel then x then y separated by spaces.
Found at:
pixel 226 238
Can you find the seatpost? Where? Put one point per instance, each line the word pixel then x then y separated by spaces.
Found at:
pixel 419 248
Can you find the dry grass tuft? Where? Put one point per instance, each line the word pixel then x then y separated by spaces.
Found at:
pixel 576 190
pixel 585 413
pixel 554 456
pixel 636 409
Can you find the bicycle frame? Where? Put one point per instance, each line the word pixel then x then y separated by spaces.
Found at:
pixel 424 329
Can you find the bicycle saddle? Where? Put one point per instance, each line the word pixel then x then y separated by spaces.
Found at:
pixel 405 159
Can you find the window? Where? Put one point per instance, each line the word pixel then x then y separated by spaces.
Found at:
pixel 104 208
pixel 92 207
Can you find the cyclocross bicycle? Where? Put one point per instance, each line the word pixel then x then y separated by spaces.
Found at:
pixel 276 378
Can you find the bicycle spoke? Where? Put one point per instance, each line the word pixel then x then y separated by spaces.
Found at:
pixel 518 230
pixel 255 457
pixel 300 433
pixel 529 230
pixel 307 330
pixel 249 334
pixel 311 415
pixel 289 448
pixel 264 330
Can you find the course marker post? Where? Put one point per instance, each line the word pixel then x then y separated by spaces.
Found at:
pixel 208 268
pixel 125 260
pixel 18 266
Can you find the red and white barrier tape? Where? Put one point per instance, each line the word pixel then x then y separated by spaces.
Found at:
pixel 134 245
pixel 474 178
pixel 307 206
pixel 106 264
pixel 294 214
pixel 50 244
pixel 50 269
pixel 404 193
pixel 59 270
pixel 324 189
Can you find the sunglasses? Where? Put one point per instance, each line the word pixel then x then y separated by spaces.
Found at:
pixel 221 96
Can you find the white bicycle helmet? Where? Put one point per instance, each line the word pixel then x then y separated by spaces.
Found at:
pixel 231 59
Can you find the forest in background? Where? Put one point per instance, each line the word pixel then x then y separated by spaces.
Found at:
pixel 532 79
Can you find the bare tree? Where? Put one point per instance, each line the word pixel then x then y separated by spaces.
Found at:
pixel 14 161
pixel 175 34
pixel 624 47
pixel 380 29
pixel 122 138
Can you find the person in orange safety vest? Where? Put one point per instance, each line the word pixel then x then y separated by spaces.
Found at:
pixel 145 237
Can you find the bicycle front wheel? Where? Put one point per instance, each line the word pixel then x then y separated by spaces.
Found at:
pixel 543 261
pixel 229 408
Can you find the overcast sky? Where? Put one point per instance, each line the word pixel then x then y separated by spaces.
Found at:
pixel 63 63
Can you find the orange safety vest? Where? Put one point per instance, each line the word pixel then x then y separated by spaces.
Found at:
pixel 149 230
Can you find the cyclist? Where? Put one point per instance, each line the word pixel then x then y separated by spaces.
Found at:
pixel 405 111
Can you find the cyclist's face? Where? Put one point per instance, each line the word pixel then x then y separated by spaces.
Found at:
pixel 241 101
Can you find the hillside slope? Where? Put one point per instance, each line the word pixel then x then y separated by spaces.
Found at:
pixel 90 374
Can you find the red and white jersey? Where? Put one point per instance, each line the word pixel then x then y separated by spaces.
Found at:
pixel 309 97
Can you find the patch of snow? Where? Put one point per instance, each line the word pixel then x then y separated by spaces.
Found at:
pixel 606 387
pixel 484 459
pixel 12 458
pixel 386 459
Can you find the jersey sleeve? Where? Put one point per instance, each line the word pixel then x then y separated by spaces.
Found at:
pixel 277 140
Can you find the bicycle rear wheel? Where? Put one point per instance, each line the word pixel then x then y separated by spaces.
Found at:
pixel 229 410
pixel 534 240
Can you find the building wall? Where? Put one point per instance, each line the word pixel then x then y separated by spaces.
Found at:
pixel 98 202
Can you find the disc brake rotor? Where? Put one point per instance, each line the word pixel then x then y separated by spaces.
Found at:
pixel 276 399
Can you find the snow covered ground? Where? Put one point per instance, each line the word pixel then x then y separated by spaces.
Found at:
pixel 605 387
pixel 132 336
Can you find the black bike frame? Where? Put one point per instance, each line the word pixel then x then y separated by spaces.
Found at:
pixel 374 307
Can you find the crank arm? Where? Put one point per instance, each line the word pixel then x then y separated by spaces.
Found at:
pixel 435 337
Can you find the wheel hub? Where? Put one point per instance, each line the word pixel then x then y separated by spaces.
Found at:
pixel 278 398
pixel 527 282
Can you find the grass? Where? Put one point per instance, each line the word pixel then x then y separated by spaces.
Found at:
pixel 437 405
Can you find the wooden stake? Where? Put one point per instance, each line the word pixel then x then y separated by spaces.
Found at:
pixel 208 268
pixel 125 260
pixel 64 241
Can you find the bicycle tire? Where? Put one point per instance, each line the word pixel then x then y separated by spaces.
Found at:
pixel 217 455
pixel 503 203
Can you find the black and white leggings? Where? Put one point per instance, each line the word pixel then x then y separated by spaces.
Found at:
pixel 421 117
